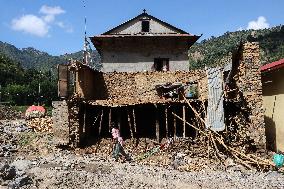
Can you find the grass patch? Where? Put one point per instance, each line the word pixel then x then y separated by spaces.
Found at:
pixel 27 138
pixel 20 108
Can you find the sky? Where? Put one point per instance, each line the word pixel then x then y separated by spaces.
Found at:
pixel 57 26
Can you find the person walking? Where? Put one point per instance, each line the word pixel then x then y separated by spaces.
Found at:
pixel 118 145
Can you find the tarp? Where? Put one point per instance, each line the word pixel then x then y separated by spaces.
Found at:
pixel 35 111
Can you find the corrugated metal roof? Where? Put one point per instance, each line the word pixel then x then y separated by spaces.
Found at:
pixel 215 110
pixel 272 66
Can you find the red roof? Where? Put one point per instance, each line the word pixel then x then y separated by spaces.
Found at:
pixel 272 66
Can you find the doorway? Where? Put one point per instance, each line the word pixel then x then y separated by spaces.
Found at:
pixel 161 64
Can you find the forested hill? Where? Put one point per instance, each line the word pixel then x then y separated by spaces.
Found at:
pixel 30 57
pixel 33 58
pixel 211 51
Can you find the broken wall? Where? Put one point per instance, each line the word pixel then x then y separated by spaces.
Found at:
pixel 136 88
pixel 249 83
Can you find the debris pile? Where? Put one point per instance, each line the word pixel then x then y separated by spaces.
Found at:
pixel 7 112
pixel 43 124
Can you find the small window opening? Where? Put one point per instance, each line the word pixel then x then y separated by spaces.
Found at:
pixel 161 64
pixel 145 26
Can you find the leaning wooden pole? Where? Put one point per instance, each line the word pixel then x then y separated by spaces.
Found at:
pixel 183 118
pixel 175 127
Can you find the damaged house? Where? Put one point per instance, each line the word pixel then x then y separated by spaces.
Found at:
pixel 146 89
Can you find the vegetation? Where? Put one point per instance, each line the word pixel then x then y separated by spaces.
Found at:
pixel 25 86
pixel 212 51
pixel 30 58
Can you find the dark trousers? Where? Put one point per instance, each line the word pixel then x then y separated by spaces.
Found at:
pixel 118 149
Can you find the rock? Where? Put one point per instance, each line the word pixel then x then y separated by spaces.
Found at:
pixel 20 181
pixel 22 164
pixel 7 172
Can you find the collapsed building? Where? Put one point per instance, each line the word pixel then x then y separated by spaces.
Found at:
pixel 146 89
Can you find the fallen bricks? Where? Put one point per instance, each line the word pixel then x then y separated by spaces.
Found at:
pixel 43 124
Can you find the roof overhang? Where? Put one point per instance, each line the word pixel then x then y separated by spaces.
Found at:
pixel 99 39
pixel 272 66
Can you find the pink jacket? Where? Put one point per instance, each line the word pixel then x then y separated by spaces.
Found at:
pixel 116 135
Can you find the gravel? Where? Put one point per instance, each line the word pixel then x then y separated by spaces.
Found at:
pixel 69 169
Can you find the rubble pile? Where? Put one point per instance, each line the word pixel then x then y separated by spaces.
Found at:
pixel 9 132
pixel 140 88
pixel 43 124
pixel 7 112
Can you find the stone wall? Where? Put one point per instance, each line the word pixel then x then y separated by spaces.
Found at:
pixel 249 83
pixel 139 87
pixel 60 122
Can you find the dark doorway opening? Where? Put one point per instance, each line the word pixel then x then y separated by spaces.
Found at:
pixel 161 64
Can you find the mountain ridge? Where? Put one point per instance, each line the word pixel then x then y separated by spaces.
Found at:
pixel 208 52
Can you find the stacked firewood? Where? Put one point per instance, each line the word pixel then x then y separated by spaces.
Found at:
pixel 43 124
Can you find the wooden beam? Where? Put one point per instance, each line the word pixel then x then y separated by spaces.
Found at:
pixel 119 118
pixel 134 121
pixel 109 119
pixel 129 123
pixel 101 121
pixel 157 124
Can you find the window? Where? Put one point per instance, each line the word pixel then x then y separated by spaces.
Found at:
pixel 161 64
pixel 145 26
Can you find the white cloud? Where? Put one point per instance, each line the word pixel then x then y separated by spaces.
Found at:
pixel 30 24
pixel 40 25
pixel 260 23
pixel 51 10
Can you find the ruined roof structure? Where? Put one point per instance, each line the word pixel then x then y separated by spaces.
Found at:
pixel 144 43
